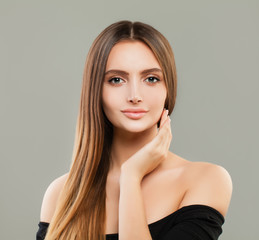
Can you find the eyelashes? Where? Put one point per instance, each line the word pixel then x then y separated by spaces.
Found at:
pixel 118 81
pixel 115 80
pixel 153 79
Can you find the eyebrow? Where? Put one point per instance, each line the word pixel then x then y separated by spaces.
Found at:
pixel 120 72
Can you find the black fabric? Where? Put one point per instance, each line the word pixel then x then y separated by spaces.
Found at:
pixel 194 222
pixel 43 226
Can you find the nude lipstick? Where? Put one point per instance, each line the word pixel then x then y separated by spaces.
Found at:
pixel 134 113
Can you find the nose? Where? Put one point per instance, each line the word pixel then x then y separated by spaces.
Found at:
pixel 135 99
pixel 134 93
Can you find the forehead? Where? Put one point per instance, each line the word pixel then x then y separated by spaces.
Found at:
pixel 131 55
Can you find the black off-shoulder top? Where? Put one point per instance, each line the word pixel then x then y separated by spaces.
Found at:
pixel 193 222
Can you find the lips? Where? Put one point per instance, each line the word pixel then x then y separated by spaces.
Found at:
pixel 134 113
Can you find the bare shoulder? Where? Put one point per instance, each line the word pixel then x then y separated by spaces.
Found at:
pixel 50 198
pixel 204 183
pixel 207 184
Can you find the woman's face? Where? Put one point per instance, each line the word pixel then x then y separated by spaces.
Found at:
pixel 134 90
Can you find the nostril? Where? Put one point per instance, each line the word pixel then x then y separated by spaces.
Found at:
pixel 135 99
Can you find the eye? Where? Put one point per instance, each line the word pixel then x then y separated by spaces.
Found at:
pixel 115 80
pixel 152 79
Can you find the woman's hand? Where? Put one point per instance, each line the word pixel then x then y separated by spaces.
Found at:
pixel 152 154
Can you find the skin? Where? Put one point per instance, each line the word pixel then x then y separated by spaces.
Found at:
pixel 134 90
pixel 146 181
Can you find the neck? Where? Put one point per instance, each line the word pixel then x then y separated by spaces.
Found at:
pixel 125 144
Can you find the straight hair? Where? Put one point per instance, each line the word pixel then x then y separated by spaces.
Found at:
pixel 81 208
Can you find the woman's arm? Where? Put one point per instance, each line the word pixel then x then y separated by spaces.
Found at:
pixel 132 217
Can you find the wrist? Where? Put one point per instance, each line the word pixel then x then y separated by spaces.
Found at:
pixel 128 175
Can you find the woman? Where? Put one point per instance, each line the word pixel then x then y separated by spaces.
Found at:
pixel 124 183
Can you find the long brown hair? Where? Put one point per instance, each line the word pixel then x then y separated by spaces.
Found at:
pixel 81 211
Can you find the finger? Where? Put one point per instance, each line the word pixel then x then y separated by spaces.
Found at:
pixel 164 117
pixel 164 143
pixel 169 133
pixel 164 133
pixel 166 136
pixel 165 130
pixel 166 122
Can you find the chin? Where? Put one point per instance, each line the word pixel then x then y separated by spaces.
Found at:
pixel 138 127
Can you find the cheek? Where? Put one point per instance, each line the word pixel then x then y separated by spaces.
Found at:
pixel 156 103
pixel 156 98
pixel 109 102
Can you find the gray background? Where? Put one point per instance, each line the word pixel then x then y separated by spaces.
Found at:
pixel 42 55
